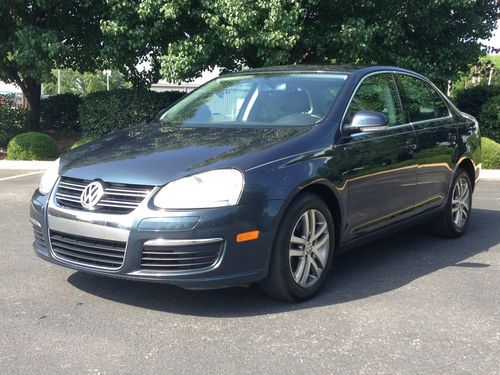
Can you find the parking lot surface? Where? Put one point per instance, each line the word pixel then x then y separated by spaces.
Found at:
pixel 409 303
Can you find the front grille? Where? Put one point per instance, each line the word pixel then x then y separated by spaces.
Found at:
pixel 87 251
pixel 117 198
pixel 39 238
pixel 180 258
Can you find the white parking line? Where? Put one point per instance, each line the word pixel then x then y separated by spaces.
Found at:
pixel 20 175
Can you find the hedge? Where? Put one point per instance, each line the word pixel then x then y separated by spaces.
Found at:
pixel 60 112
pixel 489 123
pixel 105 112
pixel 32 146
pixel 491 153
pixel 471 100
pixel 12 122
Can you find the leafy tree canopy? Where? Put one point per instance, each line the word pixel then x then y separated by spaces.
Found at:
pixel 37 36
pixel 438 38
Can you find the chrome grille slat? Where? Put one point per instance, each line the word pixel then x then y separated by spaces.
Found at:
pixel 86 257
pixel 69 242
pixel 87 251
pixel 171 258
pixel 118 198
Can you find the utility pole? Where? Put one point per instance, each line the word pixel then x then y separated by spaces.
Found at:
pixel 58 81
pixel 107 73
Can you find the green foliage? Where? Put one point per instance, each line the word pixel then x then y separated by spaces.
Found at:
pixel 472 99
pixel 83 83
pixel 490 118
pixel 104 112
pixel 32 146
pixel 37 36
pixel 491 153
pixel 60 112
pixel 437 38
pixel 12 122
pixel 82 141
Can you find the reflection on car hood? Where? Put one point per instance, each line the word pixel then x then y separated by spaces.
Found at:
pixel 154 154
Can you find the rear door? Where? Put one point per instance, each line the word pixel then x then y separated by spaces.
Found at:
pixel 436 139
pixel 382 167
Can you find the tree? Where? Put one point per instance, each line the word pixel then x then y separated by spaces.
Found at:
pixel 437 38
pixel 37 36
pixel 83 83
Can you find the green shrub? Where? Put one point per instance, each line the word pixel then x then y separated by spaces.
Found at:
pixel 104 112
pixel 60 112
pixel 82 141
pixel 490 119
pixel 491 153
pixel 472 99
pixel 32 146
pixel 12 122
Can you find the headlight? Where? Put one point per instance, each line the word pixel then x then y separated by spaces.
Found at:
pixel 216 188
pixel 49 178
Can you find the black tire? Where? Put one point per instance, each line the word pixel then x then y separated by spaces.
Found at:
pixel 280 282
pixel 445 225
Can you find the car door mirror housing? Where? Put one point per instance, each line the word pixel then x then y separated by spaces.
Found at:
pixel 366 121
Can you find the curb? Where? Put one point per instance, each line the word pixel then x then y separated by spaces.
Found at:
pixel 25 165
pixel 490 175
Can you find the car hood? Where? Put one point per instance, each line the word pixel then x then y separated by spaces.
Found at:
pixel 154 154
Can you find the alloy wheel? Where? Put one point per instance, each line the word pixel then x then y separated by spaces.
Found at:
pixel 309 248
pixel 460 203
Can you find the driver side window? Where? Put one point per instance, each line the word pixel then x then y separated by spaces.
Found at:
pixel 377 93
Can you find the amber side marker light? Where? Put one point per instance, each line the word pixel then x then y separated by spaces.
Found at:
pixel 247 236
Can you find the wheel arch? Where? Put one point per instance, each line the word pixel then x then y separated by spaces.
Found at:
pixel 468 166
pixel 327 193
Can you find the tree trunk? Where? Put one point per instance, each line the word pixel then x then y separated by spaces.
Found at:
pixel 32 90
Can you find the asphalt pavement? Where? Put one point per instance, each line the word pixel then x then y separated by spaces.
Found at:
pixel 410 303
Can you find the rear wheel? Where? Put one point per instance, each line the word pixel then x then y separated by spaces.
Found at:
pixel 303 250
pixel 453 221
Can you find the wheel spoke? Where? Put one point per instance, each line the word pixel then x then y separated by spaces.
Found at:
pixel 323 228
pixel 305 274
pixel 321 242
pixel 297 253
pixel 312 223
pixel 298 240
pixel 315 267
pixel 300 270
pixel 305 225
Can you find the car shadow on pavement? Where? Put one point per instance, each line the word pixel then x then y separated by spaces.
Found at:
pixel 372 269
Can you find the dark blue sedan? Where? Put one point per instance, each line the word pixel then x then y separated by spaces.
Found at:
pixel 262 176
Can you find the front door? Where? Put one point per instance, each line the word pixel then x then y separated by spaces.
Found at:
pixel 382 166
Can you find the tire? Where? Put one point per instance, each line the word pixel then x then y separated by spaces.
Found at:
pixel 453 220
pixel 297 250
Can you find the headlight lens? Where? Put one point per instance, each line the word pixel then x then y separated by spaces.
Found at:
pixel 218 188
pixel 49 178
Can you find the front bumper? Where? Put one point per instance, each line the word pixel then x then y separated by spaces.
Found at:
pixel 237 263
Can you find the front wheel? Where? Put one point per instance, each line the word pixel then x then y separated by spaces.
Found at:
pixel 453 221
pixel 303 250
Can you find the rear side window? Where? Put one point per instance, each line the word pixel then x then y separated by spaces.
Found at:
pixel 420 100
pixel 377 93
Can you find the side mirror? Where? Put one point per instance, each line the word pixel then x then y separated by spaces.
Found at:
pixel 366 121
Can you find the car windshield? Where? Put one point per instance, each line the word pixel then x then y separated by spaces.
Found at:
pixel 258 100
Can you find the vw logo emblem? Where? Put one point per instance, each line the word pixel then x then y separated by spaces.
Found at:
pixel 92 194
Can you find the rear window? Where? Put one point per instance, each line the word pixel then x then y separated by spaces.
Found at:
pixel 421 101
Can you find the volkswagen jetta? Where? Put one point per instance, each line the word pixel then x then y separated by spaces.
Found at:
pixel 262 176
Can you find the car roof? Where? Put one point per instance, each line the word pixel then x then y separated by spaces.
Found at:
pixel 342 69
